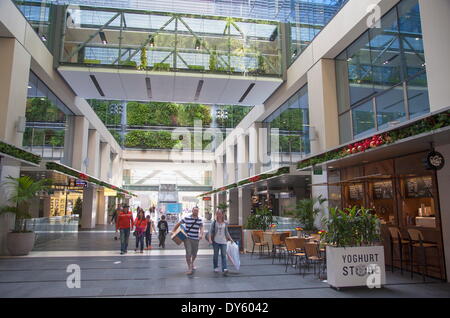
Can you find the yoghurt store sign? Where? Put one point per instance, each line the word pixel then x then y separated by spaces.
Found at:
pixel 356 266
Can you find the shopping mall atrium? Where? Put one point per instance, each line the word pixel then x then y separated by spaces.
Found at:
pixel 319 128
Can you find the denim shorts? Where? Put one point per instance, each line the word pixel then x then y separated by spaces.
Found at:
pixel 191 247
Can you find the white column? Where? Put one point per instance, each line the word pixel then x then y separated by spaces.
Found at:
pixel 435 28
pixel 245 205
pixel 102 215
pixel 230 164
pixel 93 153
pixel 105 161
pixel 320 190
pixel 254 146
pixel 15 71
pixel 242 157
pixel 323 113
pixel 89 214
pixel 80 143
pixel 218 181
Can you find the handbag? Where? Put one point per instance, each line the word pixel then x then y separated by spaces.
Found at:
pixel 213 229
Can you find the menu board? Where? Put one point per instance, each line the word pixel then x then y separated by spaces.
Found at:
pixel 236 234
pixel 382 190
pixel 356 192
pixel 419 187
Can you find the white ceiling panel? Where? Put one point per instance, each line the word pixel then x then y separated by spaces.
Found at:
pixel 134 85
pixel 175 87
pixel 110 84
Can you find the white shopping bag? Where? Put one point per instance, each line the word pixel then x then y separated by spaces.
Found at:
pixel 233 254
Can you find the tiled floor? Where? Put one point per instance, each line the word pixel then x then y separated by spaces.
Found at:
pixel 107 274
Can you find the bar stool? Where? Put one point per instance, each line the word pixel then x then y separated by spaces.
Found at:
pixel 396 239
pixel 417 241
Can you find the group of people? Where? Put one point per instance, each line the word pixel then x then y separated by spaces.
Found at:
pixel 142 228
pixel 218 234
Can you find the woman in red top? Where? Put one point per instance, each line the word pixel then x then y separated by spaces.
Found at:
pixel 140 226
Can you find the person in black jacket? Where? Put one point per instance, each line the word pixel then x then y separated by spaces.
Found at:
pixel 163 228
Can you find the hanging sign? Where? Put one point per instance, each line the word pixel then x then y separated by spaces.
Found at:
pixel 435 161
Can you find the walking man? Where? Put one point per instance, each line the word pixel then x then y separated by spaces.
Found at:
pixel 124 224
pixel 163 229
pixel 194 231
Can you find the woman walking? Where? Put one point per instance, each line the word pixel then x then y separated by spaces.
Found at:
pixel 148 233
pixel 140 226
pixel 218 237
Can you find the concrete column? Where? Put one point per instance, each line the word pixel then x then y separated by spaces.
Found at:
pixel 105 161
pixel 218 181
pixel 245 205
pixel 323 113
pixel 89 214
pixel 93 153
pixel 254 146
pixel 443 186
pixel 320 190
pixel 102 207
pixel 117 170
pixel 435 28
pixel 80 143
pixel 243 156
pixel 230 164
pixel 233 209
pixel 15 72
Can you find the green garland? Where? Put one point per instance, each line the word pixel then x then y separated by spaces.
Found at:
pixel 257 178
pixel 79 175
pixel 421 126
pixel 18 153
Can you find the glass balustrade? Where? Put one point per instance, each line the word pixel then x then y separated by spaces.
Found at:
pixel 157 41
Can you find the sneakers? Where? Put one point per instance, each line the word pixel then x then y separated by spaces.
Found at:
pixel 216 270
pixel 121 253
pixel 225 272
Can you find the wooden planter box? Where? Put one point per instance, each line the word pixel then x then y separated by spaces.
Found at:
pixel 356 266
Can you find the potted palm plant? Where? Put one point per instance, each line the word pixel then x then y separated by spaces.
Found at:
pixel 354 253
pixel 23 189
pixel 306 211
pixel 261 220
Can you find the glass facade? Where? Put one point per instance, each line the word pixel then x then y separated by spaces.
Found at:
pixel 306 19
pixel 46 121
pixel 288 130
pixel 381 77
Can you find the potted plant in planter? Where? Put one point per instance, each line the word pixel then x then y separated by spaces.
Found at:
pixel 261 220
pixel 355 256
pixel 78 209
pixel 23 189
pixel 306 211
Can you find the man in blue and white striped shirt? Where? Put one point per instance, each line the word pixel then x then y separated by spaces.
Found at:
pixel 194 231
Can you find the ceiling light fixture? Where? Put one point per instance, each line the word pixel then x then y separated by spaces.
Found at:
pixel 149 87
pixel 250 87
pixel 103 37
pixel 199 88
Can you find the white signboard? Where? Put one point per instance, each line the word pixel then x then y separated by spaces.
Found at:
pixel 356 266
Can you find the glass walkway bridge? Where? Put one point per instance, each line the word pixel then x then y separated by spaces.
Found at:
pixel 152 53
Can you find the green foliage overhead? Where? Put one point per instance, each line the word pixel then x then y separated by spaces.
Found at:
pixel 355 226
pixel 235 115
pixel 105 111
pixel 22 190
pixel 150 139
pixel 306 210
pixel 43 137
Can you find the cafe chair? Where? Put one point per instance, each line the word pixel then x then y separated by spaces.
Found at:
pixel 396 240
pixel 314 257
pixel 258 240
pixel 277 246
pixel 416 241
pixel 292 254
